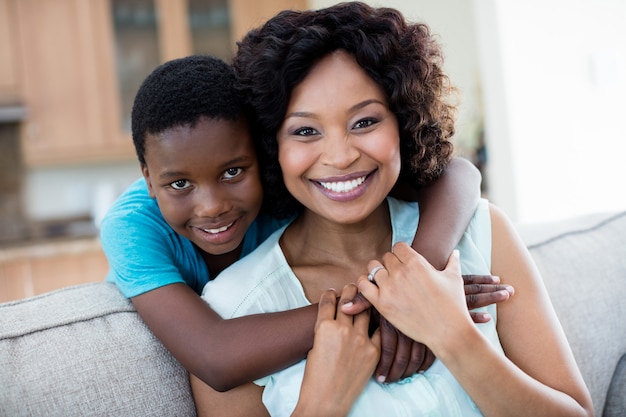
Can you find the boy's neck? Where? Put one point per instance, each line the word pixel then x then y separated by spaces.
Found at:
pixel 217 263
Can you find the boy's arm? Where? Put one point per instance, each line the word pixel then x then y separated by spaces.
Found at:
pixel 446 208
pixel 225 353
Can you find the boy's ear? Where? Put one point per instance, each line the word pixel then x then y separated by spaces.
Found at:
pixel 146 174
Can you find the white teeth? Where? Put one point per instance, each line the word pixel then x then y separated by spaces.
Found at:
pixel 221 229
pixel 343 186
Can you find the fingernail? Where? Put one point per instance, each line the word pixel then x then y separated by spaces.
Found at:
pixel 348 304
pixel 381 379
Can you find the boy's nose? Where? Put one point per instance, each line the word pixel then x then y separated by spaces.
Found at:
pixel 211 203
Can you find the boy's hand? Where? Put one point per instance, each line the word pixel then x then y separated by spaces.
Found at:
pixel 482 290
pixel 400 356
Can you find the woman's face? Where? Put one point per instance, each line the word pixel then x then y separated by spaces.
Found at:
pixel 339 145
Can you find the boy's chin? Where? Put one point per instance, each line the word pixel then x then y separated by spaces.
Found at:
pixel 222 249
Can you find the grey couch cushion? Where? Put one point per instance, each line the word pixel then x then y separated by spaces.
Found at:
pixel 616 398
pixel 583 263
pixel 83 351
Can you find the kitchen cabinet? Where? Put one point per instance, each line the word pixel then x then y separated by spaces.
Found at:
pixel 37 268
pixel 60 56
pixel 68 84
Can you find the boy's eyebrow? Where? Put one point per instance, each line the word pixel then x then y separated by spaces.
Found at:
pixel 352 109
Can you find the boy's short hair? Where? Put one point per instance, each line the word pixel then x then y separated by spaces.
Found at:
pixel 180 92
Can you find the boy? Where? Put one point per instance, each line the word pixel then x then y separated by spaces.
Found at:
pixel 196 211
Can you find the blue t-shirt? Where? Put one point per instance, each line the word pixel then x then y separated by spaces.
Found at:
pixel 145 253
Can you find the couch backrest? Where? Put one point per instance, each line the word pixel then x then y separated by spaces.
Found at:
pixel 583 263
pixel 84 351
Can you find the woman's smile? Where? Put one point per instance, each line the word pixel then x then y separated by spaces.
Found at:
pixel 349 188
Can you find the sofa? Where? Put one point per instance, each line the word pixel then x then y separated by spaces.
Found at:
pixel 84 351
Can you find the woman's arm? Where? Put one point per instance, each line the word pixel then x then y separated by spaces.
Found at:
pixel 225 353
pixel 538 376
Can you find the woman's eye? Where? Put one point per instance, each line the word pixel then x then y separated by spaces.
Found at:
pixel 180 185
pixel 231 173
pixel 305 131
pixel 363 123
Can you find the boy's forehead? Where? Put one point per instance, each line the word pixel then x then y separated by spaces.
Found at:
pixel 213 138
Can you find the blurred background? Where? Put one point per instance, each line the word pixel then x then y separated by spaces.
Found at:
pixel 543 86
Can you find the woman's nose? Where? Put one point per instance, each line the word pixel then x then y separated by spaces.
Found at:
pixel 339 151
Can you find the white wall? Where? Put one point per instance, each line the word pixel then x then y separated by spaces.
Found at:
pixel 554 76
pixel 75 191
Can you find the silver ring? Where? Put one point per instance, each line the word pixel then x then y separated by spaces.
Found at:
pixel 372 274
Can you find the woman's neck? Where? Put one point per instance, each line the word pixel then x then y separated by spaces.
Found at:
pixel 324 254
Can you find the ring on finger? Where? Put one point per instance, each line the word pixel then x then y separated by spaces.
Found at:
pixel 372 274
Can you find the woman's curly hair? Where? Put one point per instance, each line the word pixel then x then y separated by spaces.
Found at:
pixel 404 59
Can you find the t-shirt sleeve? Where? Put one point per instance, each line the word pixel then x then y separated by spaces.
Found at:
pixel 140 254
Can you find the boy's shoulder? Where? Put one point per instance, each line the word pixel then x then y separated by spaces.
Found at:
pixel 135 198
pixel 134 208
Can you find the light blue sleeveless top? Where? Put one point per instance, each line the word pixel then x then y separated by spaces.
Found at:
pixel 263 282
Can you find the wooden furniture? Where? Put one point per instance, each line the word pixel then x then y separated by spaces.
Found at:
pixel 58 58
pixel 37 268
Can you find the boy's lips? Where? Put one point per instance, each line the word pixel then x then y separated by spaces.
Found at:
pixel 218 229
pixel 218 234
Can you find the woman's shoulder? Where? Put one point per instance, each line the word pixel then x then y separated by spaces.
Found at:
pixel 260 282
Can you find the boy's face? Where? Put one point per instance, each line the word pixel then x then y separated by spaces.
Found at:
pixel 206 182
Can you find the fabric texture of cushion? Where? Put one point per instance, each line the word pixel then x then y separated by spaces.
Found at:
pixel 588 289
pixel 84 351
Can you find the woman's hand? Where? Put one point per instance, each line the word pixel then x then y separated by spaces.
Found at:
pixel 425 308
pixel 401 356
pixel 342 360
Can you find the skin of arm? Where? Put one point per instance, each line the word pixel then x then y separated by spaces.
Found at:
pixel 224 353
pixel 446 208
pixel 538 376
pixel 341 342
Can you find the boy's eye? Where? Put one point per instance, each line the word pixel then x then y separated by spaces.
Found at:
pixel 180 185
pixel 231 173
pixel 305 131
pixel 363 123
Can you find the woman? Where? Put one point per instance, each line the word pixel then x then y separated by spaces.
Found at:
pixel 348 99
